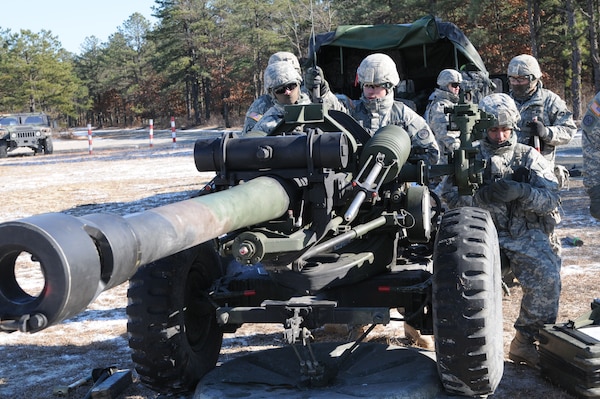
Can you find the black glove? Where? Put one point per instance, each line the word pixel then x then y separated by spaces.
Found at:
pixel 314 78
pixel 594 194
pixel 485 194
pixel 537 128
pixel 509 190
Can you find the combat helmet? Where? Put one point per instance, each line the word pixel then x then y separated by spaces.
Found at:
pixel 502 108
pixel 378 69
pixel 447 76
pixel 524 65
pixel 280 73
pixel 285 56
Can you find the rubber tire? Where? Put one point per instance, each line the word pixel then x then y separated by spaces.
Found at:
pixel 174 336
pixel 3 149
pixel 467 303
pixel 48 146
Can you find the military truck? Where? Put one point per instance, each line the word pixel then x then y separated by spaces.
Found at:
pixel 30 130
pixel 420 49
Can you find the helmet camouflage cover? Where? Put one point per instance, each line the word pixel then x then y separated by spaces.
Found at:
pixel 502 107
pixel 524 65
pixel 285 56
pixel 378 69
pixel 447 76
pixel 280 73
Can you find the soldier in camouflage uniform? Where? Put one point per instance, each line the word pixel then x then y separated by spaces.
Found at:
pixel 445 96
pixel 258 108
pixel 590 145
pixel 376 108
pixel 543 113
pixel 282 83
pixel 520 191
pixel 476 84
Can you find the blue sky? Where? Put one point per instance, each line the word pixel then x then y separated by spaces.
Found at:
pixel 71 21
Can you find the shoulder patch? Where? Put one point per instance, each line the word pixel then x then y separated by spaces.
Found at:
pixel 254 116
pixel 588 120
pixel 595 107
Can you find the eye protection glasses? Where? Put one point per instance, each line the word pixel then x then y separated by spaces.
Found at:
pixel 288 87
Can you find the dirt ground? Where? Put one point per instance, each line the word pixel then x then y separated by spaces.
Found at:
pixel 128 176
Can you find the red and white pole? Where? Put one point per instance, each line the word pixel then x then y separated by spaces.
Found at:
pixel 89 127
pixel 151 133
pixel 173 134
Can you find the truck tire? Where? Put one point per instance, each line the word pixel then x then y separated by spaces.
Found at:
pixel 172 327
pixel 3 149
pixel 467 303
pixel 48 146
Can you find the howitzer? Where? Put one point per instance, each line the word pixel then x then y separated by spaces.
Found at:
pixel 329 226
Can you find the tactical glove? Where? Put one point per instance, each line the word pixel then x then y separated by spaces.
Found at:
pixel 538 129
pixel 484 194
pixel 509 190
pixel 314 78
pixel 594 194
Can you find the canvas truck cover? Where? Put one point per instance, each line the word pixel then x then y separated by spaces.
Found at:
pixel 420 49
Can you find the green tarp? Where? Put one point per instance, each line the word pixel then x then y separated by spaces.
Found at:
pixel 421 50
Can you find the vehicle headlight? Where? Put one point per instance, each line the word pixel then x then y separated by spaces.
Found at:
pixel 38 133
pixel 13 135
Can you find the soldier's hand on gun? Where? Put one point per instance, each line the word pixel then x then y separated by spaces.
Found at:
pixel 314 78
pixel 509 190
pixel 537 128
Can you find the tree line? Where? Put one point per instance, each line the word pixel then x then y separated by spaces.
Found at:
pixel 202 61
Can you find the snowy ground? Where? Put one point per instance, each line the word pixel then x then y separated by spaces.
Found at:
pixel 123 174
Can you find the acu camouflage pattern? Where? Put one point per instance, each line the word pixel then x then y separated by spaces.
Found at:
pixel 525 228
pixel 552 111
pixel 256 111
pixel 438 120
pixel 275 114
pixel 590 143
pixel 476 85
pixel 375 114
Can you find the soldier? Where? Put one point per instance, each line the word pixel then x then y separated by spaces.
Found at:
pixel 546 122
pixel 476 84
pixel 590 146
pixel 520 191
pixel 445 96
pixel 258 108
pixel 377 75
pixel 282 83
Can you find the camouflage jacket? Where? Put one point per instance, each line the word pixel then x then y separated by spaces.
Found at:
pixel 274 115
pixel 590 143
pixel 256 111
pixel 539 210
pixel 552 111
pixel 375 114
pixel 438 120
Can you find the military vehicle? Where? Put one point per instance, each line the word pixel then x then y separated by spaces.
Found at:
pixel 421 50
pixel 31 130
pixel 332 226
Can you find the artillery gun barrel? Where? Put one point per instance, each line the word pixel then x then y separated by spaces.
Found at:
pixel 82 256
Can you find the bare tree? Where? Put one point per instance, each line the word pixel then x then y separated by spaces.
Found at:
pixel 575 58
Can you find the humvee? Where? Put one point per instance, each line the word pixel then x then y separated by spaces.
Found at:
pixel 32 130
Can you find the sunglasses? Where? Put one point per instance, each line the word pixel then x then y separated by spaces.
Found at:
pixel 455 85
pixel 288 87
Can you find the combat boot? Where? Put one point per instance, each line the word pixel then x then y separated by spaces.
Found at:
pixel 524 351
pixel 594 194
